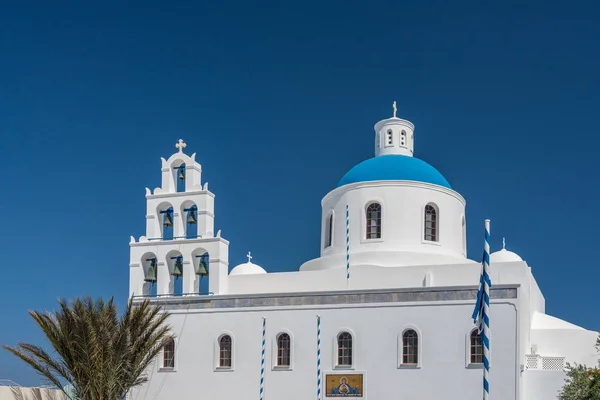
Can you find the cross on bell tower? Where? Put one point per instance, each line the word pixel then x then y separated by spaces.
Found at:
pixel 181 145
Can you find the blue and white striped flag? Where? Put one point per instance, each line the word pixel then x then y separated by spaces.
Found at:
pixel 481 315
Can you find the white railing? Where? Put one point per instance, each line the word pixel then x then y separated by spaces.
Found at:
pixel 537 362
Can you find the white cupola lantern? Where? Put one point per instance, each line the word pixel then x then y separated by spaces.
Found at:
pixel 394 136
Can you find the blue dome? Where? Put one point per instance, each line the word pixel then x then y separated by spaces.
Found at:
pixel 394 167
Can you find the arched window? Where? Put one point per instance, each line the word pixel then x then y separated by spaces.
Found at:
pixel 169 354
pixel 402 138
pixel 225 351
pixel 284 350
pixel 344 344
pixel 390 138
pixel 410 347
pixel 329 230
pixel 374 221
pixel 431 223
pixel 476 348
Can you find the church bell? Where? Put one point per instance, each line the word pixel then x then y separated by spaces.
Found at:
pixel 168 221
pixel 181 173
pixel 151 272
pixel 178 267
pixel 202 269
pixel 150 275
pixel 191 219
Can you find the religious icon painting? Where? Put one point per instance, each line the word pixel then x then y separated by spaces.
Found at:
pixel 344 385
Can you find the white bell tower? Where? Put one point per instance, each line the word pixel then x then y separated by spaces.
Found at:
pixel 180 247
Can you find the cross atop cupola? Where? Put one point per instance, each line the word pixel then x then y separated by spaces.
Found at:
pixel 249 257
pixel 181 145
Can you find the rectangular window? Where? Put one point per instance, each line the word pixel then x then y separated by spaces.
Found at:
pixel 476 350
pixel 283 351
pixel 430 223
pixel 169 355
pixel 374 221
pixel 410 351
pixel 329 231
pixel 344 349
pixel 225 352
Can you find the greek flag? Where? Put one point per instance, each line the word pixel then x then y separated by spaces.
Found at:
pixel 481 315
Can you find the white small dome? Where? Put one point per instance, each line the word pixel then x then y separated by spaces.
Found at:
pixel 248 268
pixel 504 256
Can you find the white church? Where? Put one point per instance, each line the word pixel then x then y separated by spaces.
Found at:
pixel 383 313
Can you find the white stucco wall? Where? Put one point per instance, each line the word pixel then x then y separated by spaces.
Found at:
pixel 542 385
pixel 28 393
pixel 402 227
pixel 443 327
pixel 576 345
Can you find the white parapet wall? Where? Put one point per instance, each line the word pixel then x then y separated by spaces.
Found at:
pixel 30 393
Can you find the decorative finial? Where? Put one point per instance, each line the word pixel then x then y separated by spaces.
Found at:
pixel 180 145
pixel 249 256
pixel 395 109
pixel 503 244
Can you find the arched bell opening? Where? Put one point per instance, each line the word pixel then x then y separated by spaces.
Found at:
pixel 189 214
pixel 175 265
pixel 166 220
pixel 179 175
pixel 150 266
pixel 201 263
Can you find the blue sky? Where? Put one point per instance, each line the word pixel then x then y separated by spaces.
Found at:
pixel 279 101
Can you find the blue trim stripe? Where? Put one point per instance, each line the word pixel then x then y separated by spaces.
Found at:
pixel 347 244
pixel 318 357
pixel 262 360
pixel 481 312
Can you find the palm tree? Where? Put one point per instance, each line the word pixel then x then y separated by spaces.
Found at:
pixel 96 352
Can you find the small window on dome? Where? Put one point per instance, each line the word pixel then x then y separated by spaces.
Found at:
pixel 374 221
pixel 329 230
pixel 464 236
pixel 390 138
pixel 431 223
